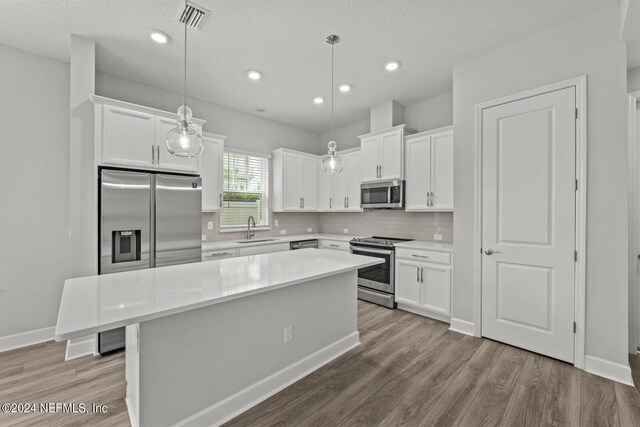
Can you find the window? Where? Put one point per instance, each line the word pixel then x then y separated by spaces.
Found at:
pixel 245 190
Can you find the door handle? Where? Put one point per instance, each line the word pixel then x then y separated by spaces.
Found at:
pixel 158 156
pixel 153 155
pixel 418 274
pixel 421 274
pixel 491 252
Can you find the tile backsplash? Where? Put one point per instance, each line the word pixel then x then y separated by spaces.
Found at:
pixel 391 223
pixel 387 223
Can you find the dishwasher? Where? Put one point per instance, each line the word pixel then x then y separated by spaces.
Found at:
pixel 304 244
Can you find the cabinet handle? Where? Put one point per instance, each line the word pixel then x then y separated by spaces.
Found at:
pixel 330 202
pixel 153 155
pixel 218 253
pixel 420 256
pixel 347 202
pixel 428 200
pixel 334 246
pixel 220 199
pixel 380 171
pixel 303 203
pixel 431 193
pixel 344 203
pixel 422 274
pixel 158 156
pixel 418 274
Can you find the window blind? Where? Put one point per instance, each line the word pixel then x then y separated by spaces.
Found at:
pixel 245 190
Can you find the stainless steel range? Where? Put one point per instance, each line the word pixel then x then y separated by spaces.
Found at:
pixel 376 284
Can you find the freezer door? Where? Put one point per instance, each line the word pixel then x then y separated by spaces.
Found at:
pixel 178 219
pixel 125 221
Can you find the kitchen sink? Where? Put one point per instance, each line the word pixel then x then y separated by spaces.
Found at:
pixel 256 240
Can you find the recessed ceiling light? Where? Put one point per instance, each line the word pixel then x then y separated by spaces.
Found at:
pixel 254 74
pixel 392 66
pixel 159 36
pixel 318 100
pixel 345 88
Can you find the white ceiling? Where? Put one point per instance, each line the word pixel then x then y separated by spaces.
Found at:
pixel 285 40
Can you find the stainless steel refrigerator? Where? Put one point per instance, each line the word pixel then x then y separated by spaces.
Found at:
pixel 147 220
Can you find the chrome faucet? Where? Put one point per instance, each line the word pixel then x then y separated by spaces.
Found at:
pixel 250 232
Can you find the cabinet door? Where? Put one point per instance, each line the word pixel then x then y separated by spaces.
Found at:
pixel 442 170
pixel 392 155
pixel 309 186
pixel 436 284
pixel 263 249
pixel 292 184
pixel 370 157
pixel 408 286
pixel 341 186
pixel 164 159
pixel 353 195
pixel 325 191
pixel 211 172
pixel 128 137
pixel 418 152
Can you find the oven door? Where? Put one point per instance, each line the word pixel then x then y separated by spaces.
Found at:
pixel 380 276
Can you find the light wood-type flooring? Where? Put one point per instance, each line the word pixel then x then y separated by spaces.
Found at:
pixel 409 371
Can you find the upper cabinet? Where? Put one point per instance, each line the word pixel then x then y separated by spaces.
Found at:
pixel 429 170
pixel 132 135
pixel 383 154
pixel 340 192
pixel 294 181
pixel 211 168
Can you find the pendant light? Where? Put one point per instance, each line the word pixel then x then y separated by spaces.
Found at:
pixel 332 163
pixel 185 140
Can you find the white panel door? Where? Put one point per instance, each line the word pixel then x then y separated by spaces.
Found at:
pixel 309 183
pixel 341 186
pixel 292 182
pixel 528 222
pixel 418 176
pixel 211 172
pixel 408 284
pixel 353 197
pixel 166 160
pixel 442 171
pixel 128 137
pixel 370 149
pixel 392 155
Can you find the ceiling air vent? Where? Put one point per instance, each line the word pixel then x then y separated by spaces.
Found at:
pixel 193 15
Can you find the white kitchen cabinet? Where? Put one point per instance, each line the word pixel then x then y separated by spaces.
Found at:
pixel 134 136
pixel 340 192
pixel 211 169
pixel 294 181
pixel 336 245
pixel 383 154
pixel 429 170
pixel 423 282
pixel 219 254
pixel 263 249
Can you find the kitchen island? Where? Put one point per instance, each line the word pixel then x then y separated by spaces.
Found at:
pixel 206 341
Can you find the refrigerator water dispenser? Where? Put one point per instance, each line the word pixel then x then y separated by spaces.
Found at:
pixel 126 246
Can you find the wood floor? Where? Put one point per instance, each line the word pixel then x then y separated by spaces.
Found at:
pixel 409 371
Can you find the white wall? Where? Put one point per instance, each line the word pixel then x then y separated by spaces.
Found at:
pixel 34 186
pixel 633 79
pixel 427 114
pixel 243 131
pixel 591 46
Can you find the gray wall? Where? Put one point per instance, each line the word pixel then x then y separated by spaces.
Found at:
pixel 243 131
pixel 292 222
pixel 589 45
pixel 34 184
pixel 633 79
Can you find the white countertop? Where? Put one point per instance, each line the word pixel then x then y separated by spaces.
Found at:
pixel 99 303
pixel 431 246
pixel 273 240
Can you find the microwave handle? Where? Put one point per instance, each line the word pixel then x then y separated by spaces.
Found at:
pixel 389 194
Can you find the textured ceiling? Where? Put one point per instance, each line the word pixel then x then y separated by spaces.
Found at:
pixel 285 40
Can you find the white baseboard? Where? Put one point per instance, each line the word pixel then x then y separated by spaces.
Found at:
pixel 424 312
pixel 462 326
pixel 226 409
pixel 79 347
pixel 24 339
pixel 608 369
pixel 133 420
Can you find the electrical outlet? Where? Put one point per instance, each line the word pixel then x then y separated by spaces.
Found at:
pixel 275 222
pixel 283 231
pixel 437 237
pixel 345 230
pixel 210 225
pixel 204 237
pixel 288 333
pixel 309 230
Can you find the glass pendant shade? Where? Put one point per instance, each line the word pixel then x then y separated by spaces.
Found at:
pixel 184 140
pixel 332 163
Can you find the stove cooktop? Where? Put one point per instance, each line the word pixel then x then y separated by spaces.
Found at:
pixel 379 241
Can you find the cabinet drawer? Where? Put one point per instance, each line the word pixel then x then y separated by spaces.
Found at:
pixel 424 255
pixel 337 245
pixel 219 254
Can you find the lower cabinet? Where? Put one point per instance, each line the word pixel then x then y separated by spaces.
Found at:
pixel 219 254
pixel 423 285
pixel 336 245
pixel 209 255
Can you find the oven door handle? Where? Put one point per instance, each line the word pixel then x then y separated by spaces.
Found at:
pixel 374 251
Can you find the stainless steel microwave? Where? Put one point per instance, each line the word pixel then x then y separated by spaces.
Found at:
pixel 382 195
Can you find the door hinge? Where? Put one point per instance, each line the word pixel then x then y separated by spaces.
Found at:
pixel 576 184
pixel 575 256
pixel 575 327
pixel 576 114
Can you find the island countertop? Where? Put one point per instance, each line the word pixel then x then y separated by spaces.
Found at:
pixel 98 303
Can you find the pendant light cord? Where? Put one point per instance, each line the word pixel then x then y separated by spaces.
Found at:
pixel 186 5
pixel 332 94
